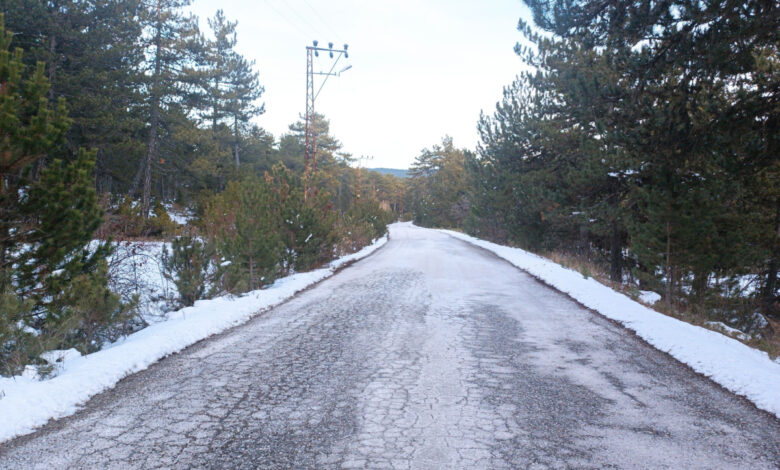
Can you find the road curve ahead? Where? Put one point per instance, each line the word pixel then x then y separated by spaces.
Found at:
pixel 430 354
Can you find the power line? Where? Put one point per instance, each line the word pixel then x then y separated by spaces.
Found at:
pixel 322 20
pixel 313 28
pixel 303 33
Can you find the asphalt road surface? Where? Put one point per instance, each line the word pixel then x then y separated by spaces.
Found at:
pixel 430 354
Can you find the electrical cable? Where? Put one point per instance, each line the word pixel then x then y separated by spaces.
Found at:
pixel 303 33
pixel 303 20
pixel 322 20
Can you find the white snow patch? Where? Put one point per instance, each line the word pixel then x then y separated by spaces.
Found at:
pixel 649 297
pixel 180 216
pixel 27 402
pixel 729 330
pixel 135 268
pixel 734 365
pixel 60 355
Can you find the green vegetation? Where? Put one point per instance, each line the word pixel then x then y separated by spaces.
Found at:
pixel 644 142
pixel 54 286
pixel 111 113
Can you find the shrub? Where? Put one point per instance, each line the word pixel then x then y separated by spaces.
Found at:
pixel 187 265
pixel 90 314
pixel 18 344
pixel 244 227
pixel 127 221
pixel 307 227
pixel 369 212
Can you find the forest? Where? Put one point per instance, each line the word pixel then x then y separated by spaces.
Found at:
pixel 642 149
pixel 122 122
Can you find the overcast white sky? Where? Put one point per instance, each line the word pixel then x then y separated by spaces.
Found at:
pixel 421 68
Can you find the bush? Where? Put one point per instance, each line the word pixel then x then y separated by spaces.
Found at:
pixel 307 227
pixel 369 212
pixel 90 314
pixel 19 346
pixel 127 221
pixel 243 224
pixel 187 265
pixel 361 224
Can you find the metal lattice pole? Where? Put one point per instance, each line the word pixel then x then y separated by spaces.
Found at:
pixel 310 138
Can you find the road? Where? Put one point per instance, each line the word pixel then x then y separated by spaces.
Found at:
pixel 430 354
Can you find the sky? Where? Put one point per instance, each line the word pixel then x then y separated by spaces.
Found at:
pixel 421 69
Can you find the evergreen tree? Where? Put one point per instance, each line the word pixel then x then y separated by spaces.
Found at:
pixel 174 38
pixel 188 265
pixel 243 224
pixel 230 86
pixel 647 126
pixel 244 90
pixel 306 227
pixel 48 214
pixel 93 54
pixel 438 186
pixel 90 314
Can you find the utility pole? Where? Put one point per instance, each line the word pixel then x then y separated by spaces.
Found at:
pixel 310 137
pixel 359 179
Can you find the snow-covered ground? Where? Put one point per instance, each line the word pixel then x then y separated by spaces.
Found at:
pixel 135 268
pixel 181 216
pixel 26 402
pixel 734 365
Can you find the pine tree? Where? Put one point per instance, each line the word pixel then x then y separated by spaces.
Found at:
pixel 89 314
pixel 229 86
pixel 219 55
pixel 18 345
pixel 244 90
pixel 244 226
pixel 306 226
pixel 93 54
pixel 188 265
pixel 174 38
pixel 31 129
pixel 48 214
pixel 63 214
pixel 439 186
pixel 691 118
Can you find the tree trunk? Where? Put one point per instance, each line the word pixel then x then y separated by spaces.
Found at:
pixel 235 146
pixel 53 52
pixel 668 267
pixel 616 255
pixel 154 122
pixel 251 274
pixel 137 178
pixel 214 108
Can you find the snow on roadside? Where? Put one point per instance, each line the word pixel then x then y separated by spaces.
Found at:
pixel 26 403
pixel 649 297
pixel 729 330
pixel 734 365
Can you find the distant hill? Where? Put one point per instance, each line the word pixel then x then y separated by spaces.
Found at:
pixel 391 171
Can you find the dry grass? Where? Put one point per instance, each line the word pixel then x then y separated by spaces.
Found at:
pixel 768 341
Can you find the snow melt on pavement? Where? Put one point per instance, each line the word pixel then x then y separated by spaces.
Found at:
pixel 26 403
pixel 734 365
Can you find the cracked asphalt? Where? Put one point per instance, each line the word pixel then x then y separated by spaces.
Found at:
pixel 430 354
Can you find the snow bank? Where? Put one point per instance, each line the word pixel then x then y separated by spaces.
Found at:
pixel 737 367
pixel 26 403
